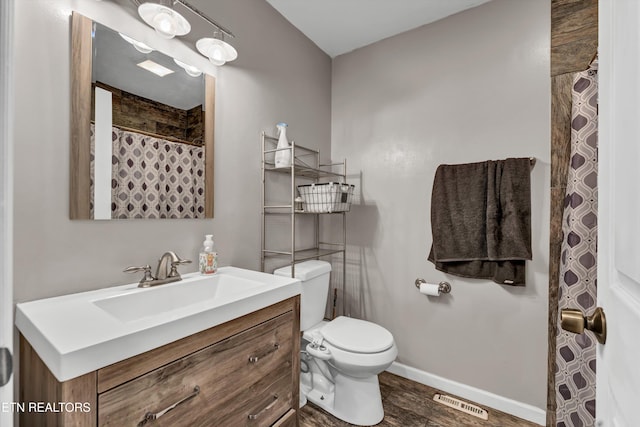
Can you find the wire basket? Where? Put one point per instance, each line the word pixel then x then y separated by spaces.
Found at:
pixel 326 198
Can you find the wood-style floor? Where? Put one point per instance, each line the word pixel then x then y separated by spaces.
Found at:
pixel 410 404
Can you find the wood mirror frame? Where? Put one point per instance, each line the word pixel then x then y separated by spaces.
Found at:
pixel 80 173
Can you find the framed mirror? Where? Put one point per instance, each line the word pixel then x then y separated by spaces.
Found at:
pixel 141 144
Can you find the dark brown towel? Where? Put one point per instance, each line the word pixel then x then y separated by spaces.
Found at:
pixel 481 220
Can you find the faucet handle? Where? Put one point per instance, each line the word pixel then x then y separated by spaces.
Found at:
pixel 174 266
pixel 148 277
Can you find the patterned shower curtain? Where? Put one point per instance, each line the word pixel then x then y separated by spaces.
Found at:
pixel 576 354
pixel 154 178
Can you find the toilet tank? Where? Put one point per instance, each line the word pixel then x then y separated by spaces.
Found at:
pixel 314 276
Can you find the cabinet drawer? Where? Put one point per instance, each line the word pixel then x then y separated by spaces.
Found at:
pixel 288 420
pixel 246 379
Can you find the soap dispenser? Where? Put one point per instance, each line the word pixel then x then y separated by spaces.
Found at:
pixel 208 256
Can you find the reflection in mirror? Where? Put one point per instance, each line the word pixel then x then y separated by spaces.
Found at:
pixel 150 130
pixel 148 137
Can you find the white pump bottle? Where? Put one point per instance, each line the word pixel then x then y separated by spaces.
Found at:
pixel 283 155
pixel 208 260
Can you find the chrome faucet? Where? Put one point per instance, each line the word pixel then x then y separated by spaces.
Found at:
pixel 167 259
pixel 163 273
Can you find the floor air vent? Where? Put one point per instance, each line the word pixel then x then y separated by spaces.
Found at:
pixel 465 407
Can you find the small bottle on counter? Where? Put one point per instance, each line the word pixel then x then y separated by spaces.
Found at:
pixel 208 256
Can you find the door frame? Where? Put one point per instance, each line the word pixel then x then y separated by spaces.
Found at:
pixel 570 53
pixel 6 195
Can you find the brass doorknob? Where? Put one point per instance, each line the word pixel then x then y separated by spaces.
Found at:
pixel 573 321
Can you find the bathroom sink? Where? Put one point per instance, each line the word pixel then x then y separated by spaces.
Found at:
pixel 163 300
pixel 81 333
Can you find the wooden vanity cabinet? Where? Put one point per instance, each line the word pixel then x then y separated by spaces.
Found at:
pixel 242 373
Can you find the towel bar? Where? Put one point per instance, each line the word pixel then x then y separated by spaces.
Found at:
pixel 443 287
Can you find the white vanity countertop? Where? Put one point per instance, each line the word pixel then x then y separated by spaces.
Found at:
pixel 80 333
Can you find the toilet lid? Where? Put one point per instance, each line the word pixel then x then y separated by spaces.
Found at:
pixel 356 335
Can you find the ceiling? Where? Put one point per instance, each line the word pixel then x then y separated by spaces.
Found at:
pixel 340 26
pixel 115 63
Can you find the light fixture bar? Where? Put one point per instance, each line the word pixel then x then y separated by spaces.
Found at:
pixel 205 17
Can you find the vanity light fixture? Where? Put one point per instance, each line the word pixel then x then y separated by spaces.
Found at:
pixel 160 15
pixel 189 69
pixel 216 49
pixel 168 23
pixel 139 46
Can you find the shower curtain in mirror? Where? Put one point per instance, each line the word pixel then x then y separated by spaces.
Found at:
pixel 155 178
pixel 576 354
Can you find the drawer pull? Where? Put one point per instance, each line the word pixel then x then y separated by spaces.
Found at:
pixel 265 409
pixel 254 359
pixel 149 416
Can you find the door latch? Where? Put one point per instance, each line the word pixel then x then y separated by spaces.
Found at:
pixel 572 320
pixel 6 366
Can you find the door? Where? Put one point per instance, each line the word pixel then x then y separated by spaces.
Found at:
pixel 6 242
pixel 618 370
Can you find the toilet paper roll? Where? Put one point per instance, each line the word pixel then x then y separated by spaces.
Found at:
pixel 432 289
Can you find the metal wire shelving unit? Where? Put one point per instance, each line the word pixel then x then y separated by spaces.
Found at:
pixel 305 168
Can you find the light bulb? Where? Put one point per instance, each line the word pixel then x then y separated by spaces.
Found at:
pixel 140 47
pixel 189 69
pixel 166 21
pixel 193 72
pixel 216 53
pixel 217 62
pixel 165 24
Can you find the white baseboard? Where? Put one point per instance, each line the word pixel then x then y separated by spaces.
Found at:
pixel 518 409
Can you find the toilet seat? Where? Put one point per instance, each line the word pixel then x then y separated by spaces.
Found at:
pixel 356 336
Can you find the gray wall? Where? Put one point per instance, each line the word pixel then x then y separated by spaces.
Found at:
pixel 54 255
pixel 472 87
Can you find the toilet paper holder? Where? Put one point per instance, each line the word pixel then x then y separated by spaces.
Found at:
pixel 443 287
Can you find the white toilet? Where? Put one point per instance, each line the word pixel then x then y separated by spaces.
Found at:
pixel 340 359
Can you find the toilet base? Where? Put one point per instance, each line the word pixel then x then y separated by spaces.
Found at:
pixel 354 400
